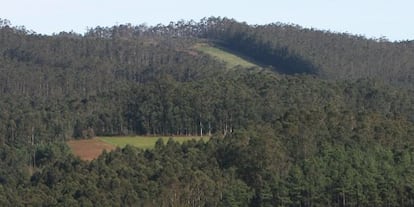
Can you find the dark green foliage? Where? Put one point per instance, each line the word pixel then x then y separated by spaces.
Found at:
pixel 342 136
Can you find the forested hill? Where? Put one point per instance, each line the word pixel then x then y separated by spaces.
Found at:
pixel 286 49
pixel 144 80
pixel 308 117
pixel 291 49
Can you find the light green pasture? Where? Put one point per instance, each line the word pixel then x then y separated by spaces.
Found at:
pixel 146 142
pixel 230 59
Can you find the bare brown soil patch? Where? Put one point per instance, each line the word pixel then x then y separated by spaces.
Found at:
pixel 89 149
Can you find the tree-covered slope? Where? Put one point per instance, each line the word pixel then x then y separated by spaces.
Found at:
pixel 316 133
pixel 293 49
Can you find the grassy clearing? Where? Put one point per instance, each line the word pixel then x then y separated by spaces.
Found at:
pixel 145 142
pixel 230 59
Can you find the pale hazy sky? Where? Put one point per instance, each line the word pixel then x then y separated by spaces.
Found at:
pixel 372 18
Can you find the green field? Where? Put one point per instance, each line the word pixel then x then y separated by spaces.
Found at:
pixel 145 142
pixel 230 59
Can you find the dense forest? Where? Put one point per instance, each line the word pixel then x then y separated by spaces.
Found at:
pixel 326 119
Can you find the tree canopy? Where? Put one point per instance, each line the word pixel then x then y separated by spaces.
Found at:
pixel 325 119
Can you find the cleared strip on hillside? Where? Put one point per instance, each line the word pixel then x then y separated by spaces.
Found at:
pixel 145 142
pixel 230 59
pixel 90 149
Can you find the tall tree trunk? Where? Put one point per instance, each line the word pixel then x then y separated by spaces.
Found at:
pixel 201 129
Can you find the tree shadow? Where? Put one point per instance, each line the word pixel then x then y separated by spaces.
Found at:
pixel 281 60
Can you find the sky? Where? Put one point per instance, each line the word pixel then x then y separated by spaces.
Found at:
pixel 391 19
